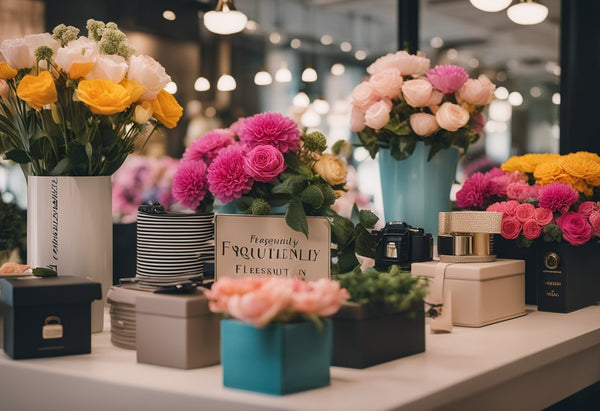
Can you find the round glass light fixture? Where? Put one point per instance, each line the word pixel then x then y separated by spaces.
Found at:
pixel 490 5
pixel 171 87
pixel 515 98
pixel 283 75
pixel 301 100
pixel 501 93
pixel 295 43
pixel 527 12
pixel 500 110
pixel 262 78
pixel 225 19
pixel 321 106
pixel 226 83
pixel 310 119
pixel 338 69
pixel 360 54
pixel 251 25
pixel 345 46
pixel 169 15
pixel 436 42
pixel 535 91
pixel 201 84
pixel 326 39
pixel 309 75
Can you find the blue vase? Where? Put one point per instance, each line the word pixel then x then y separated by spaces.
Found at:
pixel 415 190
pixel 278 359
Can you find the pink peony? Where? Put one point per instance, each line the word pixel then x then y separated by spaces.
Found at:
pixel 518 191
pixel 226 287
pixel 272 129
pixel 474 192
pixel 558 196
pixel 378 115
pixel 226 176
pixel 531 229
pixel 190 184
pixel 595 222
pixel 510 207
pixel 321 297
pixel 587 207
pixel 408 64
pixel 575 228
pixel 448 78
pixel 510 227
pixel 524 212
pixel 207 147
pixel 543 216
pixel 264 163
pixel 423 124
pixel 387 83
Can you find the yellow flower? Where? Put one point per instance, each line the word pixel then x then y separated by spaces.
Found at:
pixel 6 71
pixel 166 109
pixel 579 166
pixel 103 96
pixel 80 69
pixel 37 90
pixel 331 169
pixel 512 164
pixel 135 89
pixel 548 172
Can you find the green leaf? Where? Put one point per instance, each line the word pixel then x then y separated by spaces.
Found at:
pixel 292 185
pixel 44 272
pixel 60 168
pixel 347 261
pixel 368 138
pixel 293 163
pixel 313 196
pixel 342 231
pixel 402 147
pixel 18 156
pixel 295 217
pixel 399 128
pixel 367 218
pixel 366 242
pixel 337 147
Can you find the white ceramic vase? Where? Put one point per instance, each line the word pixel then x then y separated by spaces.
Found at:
pixel 69 229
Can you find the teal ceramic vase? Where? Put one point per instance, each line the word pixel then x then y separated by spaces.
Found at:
pixel 416 190
pixel 278 359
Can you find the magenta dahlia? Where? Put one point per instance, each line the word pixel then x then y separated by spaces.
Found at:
pixel 272 129
pixel 447 78
pixel 558 196
pixel 227 178
pixel 207 147
pixel 474 192
pixel 190 183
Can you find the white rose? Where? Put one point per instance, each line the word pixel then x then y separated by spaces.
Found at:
pixel 108 67
pixel 149 73
pixel 451 116
pixel 82 50
pixel 16 53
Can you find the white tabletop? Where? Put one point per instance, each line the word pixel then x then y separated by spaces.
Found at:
pixel 525 363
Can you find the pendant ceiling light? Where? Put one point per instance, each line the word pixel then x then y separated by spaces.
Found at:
pixel 263 78
pixel 527 12
pixel 225 19
pixel 283 74
pixel 226 83
pixel 490 5
pixel 309 75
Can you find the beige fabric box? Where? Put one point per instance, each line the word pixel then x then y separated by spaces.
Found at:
pixel 177 331
pixel 482 293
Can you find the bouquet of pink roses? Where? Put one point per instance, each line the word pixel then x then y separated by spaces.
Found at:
pixel 404 102
pixel 260 301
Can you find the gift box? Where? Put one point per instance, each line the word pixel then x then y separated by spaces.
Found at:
pixel 482 293
pixel 365 336
pixel 49 316
pixel 176 330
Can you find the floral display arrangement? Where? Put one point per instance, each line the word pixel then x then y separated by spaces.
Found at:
pixel 404 102
pixel 546 196
pixel 74 105
pixel 140 180
pixel 265 300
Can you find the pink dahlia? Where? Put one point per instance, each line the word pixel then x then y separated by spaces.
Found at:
pixel 558 196
pixel 237 125
pixel 474 192
pixel 518 191
pixel 226 176
pixel 500 180
pixel 448 78
pixel 190 184
pixel 207 147
pixel 272 129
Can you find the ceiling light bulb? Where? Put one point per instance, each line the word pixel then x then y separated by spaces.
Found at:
pixel 490 5
pixel 275 37
pixel 515 98
pixel 338 69
pixel 326 39
pixel 360 54
pixel 345 46
pixel 226 83
pixel 309 75
pixel 169 15
pixel 527 12
pixel 225 19
pixel 301 100
pixel 171 87
pixel 321 106
pixel 283 75
pixel 262 78
pixel 501 93
pixel 295 43
pixel 201 84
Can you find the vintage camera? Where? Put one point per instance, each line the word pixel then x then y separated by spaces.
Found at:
pixel 399 243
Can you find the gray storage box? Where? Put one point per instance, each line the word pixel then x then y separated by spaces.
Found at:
pixel 177 331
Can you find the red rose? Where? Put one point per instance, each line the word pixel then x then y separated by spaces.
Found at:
pixel 531 229
pixel 510 228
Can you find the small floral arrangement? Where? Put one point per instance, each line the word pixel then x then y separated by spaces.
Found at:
pixel 258 164
pixel 263 300
pixel 74 105
pixel 404 102
pixel 140 180
pixel 539 205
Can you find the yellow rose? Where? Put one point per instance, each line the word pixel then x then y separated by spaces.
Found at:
pixel 547 172
pixel 37 90
pixel 135 89
pixel 6 71
pixel 166 109
pixel 331 169
pixel 103 96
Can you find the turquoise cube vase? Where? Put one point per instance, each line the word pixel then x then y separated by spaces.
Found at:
pixel 278 359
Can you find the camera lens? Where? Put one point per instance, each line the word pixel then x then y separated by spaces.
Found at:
pixel 551 261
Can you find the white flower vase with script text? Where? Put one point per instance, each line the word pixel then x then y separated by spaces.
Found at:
pixel 69 229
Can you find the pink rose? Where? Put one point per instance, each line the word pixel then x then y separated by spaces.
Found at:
pixel 417 92
pixel 575 228
pixel 524 212
pixel 543 216
pixel 264 163
pixel 534 191
pixel 477 92
pixel 518 191
pixel 378 115
pixel 408 64
pixel 435 99
pixel 451 116
pixel 531 229
pixel 423 124
pixel 595 221
pixel 357 120
pixel 497 207
pixel 322 298
pixel 364 95
pixel 261 306
pixel 499 181
pixel 226 287
pixel 510 207
pixel 586 208
pixel 510 228
pixel 387 83
pixel 4 89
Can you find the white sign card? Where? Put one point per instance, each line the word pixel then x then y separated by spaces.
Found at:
pixel 256 246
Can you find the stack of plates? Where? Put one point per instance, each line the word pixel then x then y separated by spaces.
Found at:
pixel 122 317
pixel 172 247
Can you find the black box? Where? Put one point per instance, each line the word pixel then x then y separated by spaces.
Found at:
pixel 364 336
pixel 504 248
pixel 568 276
pixel 45 317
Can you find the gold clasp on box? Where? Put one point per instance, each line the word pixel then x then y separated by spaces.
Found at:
pixel 52 328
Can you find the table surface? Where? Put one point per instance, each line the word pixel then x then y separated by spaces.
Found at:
pixel 529 362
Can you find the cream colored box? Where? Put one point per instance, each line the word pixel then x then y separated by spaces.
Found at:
pixel 482 293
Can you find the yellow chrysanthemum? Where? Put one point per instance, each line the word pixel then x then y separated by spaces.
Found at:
pixel 166 109
pixel 6 71
pixel 580 166
pixel 548 172
pixel 103 96
pixel 530 161
pixel 512 164
pixel 37 91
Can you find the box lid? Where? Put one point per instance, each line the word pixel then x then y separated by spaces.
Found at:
pixel 122 295
pixel 173 305
pixel 472 271
pixel 28 291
